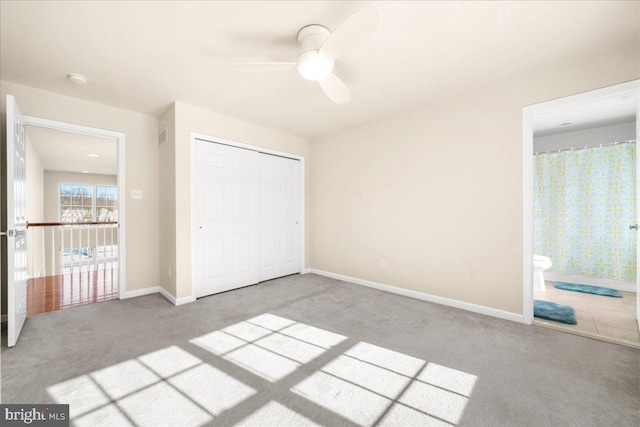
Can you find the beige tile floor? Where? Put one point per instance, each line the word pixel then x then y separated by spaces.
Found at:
pixel 604 316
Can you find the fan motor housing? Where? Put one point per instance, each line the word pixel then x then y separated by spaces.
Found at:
pixel 312 37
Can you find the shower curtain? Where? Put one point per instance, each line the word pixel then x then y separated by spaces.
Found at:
pixel 584 202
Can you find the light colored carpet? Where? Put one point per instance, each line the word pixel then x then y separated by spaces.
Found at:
pixel 308 350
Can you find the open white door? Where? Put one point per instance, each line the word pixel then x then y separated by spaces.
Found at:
pixel 16 233
pixel 637 209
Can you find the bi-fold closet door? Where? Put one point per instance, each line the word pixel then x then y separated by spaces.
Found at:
pixel 247 217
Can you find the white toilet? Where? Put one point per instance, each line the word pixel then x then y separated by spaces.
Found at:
pixel 540 264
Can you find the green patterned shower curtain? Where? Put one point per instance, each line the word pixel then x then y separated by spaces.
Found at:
pixel 584 202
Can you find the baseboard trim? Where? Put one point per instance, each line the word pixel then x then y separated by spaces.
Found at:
pixel 141 292
pixel 162 291
pixel 592 281
pixel 305 271
pixel 185 300
pixel 173 300
pixel 426 297
pixel 167 295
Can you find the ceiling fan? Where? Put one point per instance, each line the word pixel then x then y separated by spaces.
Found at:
pixel 319 47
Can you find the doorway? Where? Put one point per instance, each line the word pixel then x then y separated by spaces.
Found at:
pixel 247 209
pixel 580 214
pixel 72 258
pixel 72 213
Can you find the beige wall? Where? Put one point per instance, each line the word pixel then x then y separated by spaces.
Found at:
pixel 35 180
pixel 35 210
pixel 53 179
pixel 436 191
pixel 141 168
pixel 167 203
pixel 194 119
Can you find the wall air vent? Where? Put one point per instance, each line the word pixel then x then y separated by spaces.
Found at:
pixel 162 137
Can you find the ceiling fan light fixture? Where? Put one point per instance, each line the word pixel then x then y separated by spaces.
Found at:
pixel 78 79
pixel 314 65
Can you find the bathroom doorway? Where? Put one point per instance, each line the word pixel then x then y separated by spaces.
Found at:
pixel 580 212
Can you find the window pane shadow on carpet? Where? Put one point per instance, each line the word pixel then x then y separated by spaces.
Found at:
pixel 305 375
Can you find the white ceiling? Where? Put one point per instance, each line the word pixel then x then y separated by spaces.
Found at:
pixel 592 113
pixel 69 152
pixel 144 55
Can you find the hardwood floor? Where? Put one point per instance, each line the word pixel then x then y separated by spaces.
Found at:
pixel 45 294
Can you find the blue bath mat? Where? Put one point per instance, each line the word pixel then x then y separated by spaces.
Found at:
pixel 596 290
pixel 552 311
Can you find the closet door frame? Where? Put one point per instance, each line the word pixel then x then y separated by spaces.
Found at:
pixel 198 136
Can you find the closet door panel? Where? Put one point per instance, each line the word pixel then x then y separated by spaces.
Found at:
pixel 247 217
pixel 227 245
pixel 267 216
pixel 279 216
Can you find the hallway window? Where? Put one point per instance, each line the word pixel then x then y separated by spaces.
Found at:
pixel 106 203
pixel 87 203
pixel 76 203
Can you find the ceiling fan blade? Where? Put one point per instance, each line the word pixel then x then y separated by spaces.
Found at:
pixel 335 89
pixel 263 66
pixel 352 31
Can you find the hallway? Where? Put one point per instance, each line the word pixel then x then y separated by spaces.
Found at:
pixel 51 293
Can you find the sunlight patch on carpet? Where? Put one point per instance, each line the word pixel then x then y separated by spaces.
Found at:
pixel 276 414
pixel 351 401
pixel 448 379
pixel 403 416
pixel 370 384
pixel 269 346
pixel 367 375
pixel 264 363
pixel 218 342
pixel 163 405
pixel 291 348
pixel 211 388
pixel 81 393
pixel 165 387
pixel 313 335
pixel 107 416
pixel 169 361
pixel 385 358
pixel 242 379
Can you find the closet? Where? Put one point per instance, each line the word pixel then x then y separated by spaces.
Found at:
pixel 247 217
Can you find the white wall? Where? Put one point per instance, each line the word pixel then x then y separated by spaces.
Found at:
pixel 591 137
pixel 187 119
pixel 53 179
pixel 437 191
pixel 35 210
pixel 141 168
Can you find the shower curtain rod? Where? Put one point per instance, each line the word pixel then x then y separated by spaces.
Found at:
pixel 630 141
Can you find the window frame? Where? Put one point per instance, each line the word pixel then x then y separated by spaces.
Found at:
pixel 94 192
pixel 95 198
